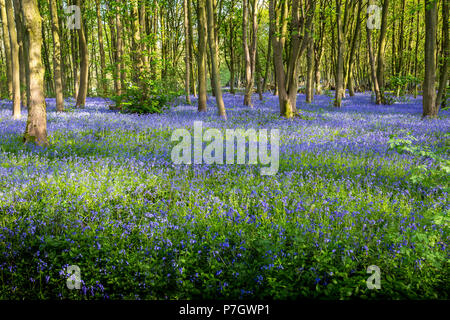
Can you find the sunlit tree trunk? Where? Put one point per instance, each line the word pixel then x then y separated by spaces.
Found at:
pixel 22 57
pixel 202 56
pixel 373 72
pixel 84 65
pixel 318 51
pixel 138 58
pixel 351 59
pixel 75 63
pixel 57 57
pixel 119 64
pixel 249 51
pixel 103 83
pixel 430 107
pixel 268 62
pixel 14 59
pixel 287 82
pixel 340 89
pixel 36 129
pixel 7 44
pixel 310 72
pixel 382 49
pixel 214 62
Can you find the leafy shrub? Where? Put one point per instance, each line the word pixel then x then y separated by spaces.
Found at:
pixel 153 98
pixel 401 83
pixel 436 175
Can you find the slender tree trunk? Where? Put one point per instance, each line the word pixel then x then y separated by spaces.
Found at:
pixel 142 7
pixel 310 72
pixel 373 72
pixel 139 61
pixel 84 65
pixel 75 63
pixel 57 57
pixel 214 62
pixel 287 81
pixel 340 89
pixel 22 58
pixel 249 52
pixel 353 49
pixel 399 64
pixel 416 52
pixel 209 66
pixel 119 64
pixel 202 56
pixel 7 44
pixel 232 53
pixel 103 80
pixel 268 64
pixel 48 71
pixel 441 98
pixel 382 49
pixel 14 59
pixel 36 129
pixel 191 49
pixel 187 52
pixel 258 76
pixel 430 107
pixel 318 50
pixel 277 43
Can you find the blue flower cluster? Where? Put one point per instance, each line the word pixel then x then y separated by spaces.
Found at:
pixel 105 196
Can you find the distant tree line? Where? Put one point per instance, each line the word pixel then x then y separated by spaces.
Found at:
pixel 200 46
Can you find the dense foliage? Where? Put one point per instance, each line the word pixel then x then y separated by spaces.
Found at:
pixel 154 99
pixel 105 196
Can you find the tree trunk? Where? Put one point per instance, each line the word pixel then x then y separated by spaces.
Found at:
pixel 103 82
pixel 277 43
pixel 318 51
pixel 310 72
pixel 201 65
pixel 14 59
pixel 232 54
pixel 57 57
pixel 340 89
pixel 268 64
pixel 36 129
pixel 258 76
pixel 84 65
pixel 7 44
pixel 139 61
pixel 48 71
pixel 22 57
pixel 119 63
pixel 353 49
pixel 430 107
pixel 287 82
pixel 373 73
pixel 441 98
pixel 416 52
pixel 191 49
pixel 381 50
pixel 249 52
pixel 187 52
pixel 75 62
pixel 214 62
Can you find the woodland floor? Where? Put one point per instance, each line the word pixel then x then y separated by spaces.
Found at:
pixel 105 196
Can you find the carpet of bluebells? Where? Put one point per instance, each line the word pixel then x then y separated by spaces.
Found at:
pixel 105 196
